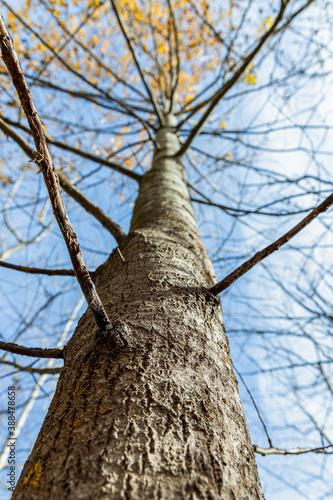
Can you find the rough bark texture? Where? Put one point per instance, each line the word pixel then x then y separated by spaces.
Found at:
pixel 160 418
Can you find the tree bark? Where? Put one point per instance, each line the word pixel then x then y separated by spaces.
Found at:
pixel 160 418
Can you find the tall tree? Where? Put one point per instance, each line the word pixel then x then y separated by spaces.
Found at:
pixel 160 93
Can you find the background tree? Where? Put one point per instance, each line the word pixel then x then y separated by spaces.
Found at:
pixel 244 82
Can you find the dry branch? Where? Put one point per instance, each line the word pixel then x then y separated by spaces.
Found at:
pixel 90 207
pixel 37 270
pixel 44 160
pixel 35 352
pixel 259 256
pixel 232 81
pixel 67 186
pixel 292 451
pixel 88 156
pixel 30 369
pixel 136 61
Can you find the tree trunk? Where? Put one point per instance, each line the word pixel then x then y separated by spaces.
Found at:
pixel 160 418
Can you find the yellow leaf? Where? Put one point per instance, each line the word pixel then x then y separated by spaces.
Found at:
pixel 11 22
pixel 250 79
pixel 268 22
pixel 5 179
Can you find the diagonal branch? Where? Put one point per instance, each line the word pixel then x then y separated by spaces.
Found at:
pixel 44 160
pixel 259 256
pixel 79 75
pixel 35 352
pixel 255 406
pixel 83 154
pixel 293 451
pixel 231 82
pixel 132 50
pixel 37 270
pixel 67 186
pixel 30 369
pixel 175 77
pixel 116 231
pixel 87 49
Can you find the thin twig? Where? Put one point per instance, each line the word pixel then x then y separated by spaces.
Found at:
pixel 116 231
pixel 231 82
pixel 175 77
pixel 37 270
pixel 30 369
pixel 132 50
pixel 35 352
pixel 96 159
pixel 67 186
pixel 238 212
pixel 256 407
pixel 44 160
pixel 292 451
pixel 259 256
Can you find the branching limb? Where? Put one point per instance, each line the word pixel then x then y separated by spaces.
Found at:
pixel 259 256
pixel 30 369
pixel 231 82
pixel 132 50
pixel 327 450
pixel 35 352
pixel 44 160
pixel 67 186
pixel 58 144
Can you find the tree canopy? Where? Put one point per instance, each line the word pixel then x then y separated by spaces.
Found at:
pixel 249 83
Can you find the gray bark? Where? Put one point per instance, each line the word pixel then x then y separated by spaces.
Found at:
pixel 160 418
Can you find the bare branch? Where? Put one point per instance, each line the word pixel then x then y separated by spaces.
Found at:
pixel 259 256
pixel 43 158
pixel 87 49
pixel 132 50
pixel 292 451
pixel 58 144
pixel 67 186
pixel 37 270
pixel 35 352
pixel 255 406
pixel 30 369
pixel 175 77
pixel 242 211
pixel 93 209
pixel 231 82
pixel 96 159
